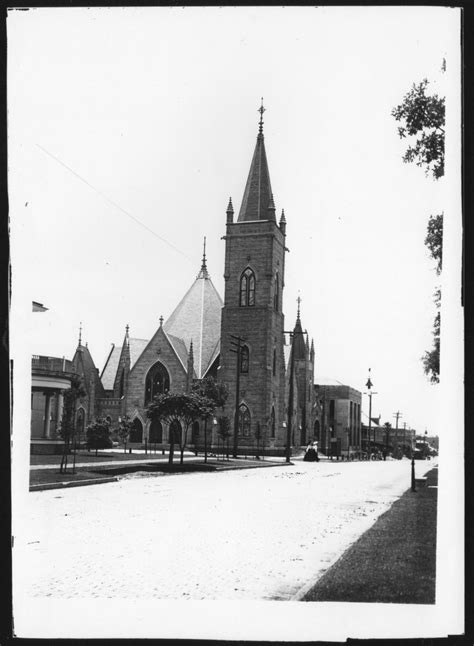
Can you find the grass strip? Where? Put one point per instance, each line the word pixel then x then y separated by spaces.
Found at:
pixel 394 561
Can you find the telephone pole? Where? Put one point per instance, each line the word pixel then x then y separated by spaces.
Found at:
pixel 397 415
pixel 236 348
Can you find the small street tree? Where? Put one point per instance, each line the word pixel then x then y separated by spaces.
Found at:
pixel 223 430
pixel 217 392
pixel 123 431
pixel 422 116
pixel 68 422
pixel 98 435
pixel 179 410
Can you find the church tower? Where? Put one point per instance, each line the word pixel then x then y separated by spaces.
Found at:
pixel 252 359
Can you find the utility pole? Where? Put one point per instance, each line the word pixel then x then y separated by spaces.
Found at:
pixel 290 402
pixel 413 483
pixel 397 415
pixel 236 347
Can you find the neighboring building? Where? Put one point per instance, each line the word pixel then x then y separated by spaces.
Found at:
pixel 198 340
pixel 51 376
pixel 340 423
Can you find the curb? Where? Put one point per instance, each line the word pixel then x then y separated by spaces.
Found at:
pixel 72 483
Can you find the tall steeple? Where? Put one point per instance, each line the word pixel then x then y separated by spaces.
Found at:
pixel 257 203
pixel 299 345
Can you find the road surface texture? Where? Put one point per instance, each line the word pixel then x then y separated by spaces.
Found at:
pixel 245 534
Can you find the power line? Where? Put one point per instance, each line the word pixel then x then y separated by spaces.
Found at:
pixel 117 206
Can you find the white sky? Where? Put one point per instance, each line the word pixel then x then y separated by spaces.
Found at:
pixel 156 109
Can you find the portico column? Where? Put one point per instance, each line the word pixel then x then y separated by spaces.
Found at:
pixel 60 410
pixel 47 415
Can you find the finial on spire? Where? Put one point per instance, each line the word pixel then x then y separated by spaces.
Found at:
pixel 204 266
pixel 260 123
pixel 80 334
pixel 126 329
pixel 161 321
pixel 298 300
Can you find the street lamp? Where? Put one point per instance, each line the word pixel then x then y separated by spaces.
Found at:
pixel 369 385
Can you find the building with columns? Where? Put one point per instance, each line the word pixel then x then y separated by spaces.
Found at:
pixel 239 340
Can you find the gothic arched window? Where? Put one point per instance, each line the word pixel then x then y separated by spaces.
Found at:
pixel 157 382
pixel 272 422
pixel 247 288
pixel 244 360
pixel 244 420
pixel 276 295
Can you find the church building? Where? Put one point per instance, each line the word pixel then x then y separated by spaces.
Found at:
pixel 240 340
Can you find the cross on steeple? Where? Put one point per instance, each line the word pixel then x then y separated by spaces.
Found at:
pixel 80 334
pixel 298 300
pixel 260 124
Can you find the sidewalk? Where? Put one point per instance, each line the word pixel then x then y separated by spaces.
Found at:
pixel 394 561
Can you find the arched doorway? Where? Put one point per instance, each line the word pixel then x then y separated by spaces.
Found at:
pixel 156 432
pixel 175 432
pixel 136 432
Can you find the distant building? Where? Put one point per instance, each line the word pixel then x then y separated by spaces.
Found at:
pixel 340 424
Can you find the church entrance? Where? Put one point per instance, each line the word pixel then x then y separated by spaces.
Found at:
pixel 136 432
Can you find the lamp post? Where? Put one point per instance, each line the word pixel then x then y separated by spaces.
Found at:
pixel 413 482
pixel 369 392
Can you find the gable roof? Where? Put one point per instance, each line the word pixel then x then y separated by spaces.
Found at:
pixel 109 371
pixel 84 364
pixel 197 318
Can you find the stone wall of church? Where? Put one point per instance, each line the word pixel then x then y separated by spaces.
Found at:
pixel 159 349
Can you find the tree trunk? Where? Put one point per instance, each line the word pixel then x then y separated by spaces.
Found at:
pixel 96 452
pixel 170 458
pixel 181 456
pixel 205 440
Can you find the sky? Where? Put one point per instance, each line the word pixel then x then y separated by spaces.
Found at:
pixel 129 128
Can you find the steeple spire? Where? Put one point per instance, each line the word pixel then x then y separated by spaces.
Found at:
pixel 257 202
pixel 203 273
pixel 230 212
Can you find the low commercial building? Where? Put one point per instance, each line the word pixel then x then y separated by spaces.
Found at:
pixel 340 428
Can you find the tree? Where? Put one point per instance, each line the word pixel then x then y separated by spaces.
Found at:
pixel 98 435
pixel 215 391
pixel 179 410
pixel 434 240
pixel 423 117
pixel 123 431
pixel 223 426
pixel 431 358
pixel 68 422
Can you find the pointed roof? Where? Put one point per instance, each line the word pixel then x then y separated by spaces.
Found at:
pixel 257 203
pixel 109 371
pixel 299 345
pixel 136 348
pixel 84 364
pixel 197 318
